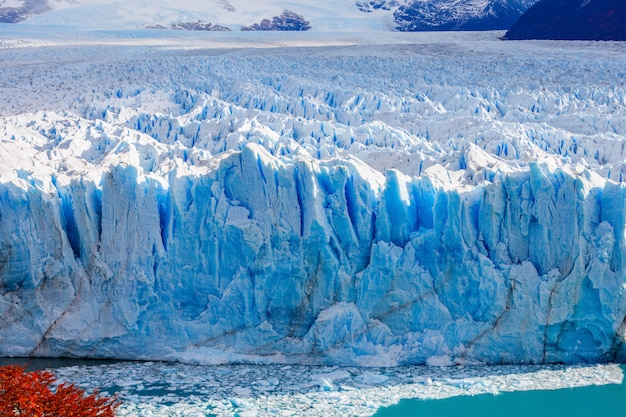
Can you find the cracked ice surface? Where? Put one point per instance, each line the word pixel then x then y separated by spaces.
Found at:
pixel 354 200
pixel 162 389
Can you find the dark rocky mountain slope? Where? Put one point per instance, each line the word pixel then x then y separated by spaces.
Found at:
pixel 288 20
pixel 572 20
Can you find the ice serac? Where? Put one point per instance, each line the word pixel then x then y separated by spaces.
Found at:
pixel 314 261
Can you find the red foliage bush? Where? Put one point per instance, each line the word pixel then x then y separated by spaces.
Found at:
pixel 34 394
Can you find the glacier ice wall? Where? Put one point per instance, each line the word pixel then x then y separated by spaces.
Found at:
pixel 431 216
pixel 322 262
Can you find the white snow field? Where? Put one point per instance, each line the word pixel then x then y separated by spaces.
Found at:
pixel 358 199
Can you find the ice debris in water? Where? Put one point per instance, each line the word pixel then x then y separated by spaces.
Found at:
pixel 166 389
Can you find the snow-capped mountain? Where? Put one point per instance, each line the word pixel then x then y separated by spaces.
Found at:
pixel 572 19
pixel 287 21
pixel 404 198
pixel 233 14
pixel 432 15
pixel 323 15
pixel 13 11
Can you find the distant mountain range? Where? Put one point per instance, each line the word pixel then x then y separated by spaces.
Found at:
pixel 298 15
pixel 432 15
pixel 572 19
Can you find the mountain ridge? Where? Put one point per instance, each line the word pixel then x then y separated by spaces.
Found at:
pixel 235 15
pixel 459 15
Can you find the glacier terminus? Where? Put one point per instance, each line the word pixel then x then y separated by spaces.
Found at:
pixel 405 199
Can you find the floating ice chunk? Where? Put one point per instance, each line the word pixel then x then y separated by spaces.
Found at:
pixel 372 378
pixel 242 392
pixel 441 360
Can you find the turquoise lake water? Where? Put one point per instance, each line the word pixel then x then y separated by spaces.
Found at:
pixel 593 401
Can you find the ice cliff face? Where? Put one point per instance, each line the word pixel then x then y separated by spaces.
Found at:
pixel 295 217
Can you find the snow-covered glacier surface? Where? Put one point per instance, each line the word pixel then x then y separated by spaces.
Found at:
pixel 350 199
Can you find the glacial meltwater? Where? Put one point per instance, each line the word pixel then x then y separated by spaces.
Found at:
pixel 160 389
pixel 597 400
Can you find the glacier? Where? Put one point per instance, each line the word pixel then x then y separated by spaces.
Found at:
pixel 411 199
